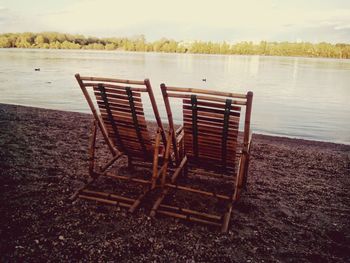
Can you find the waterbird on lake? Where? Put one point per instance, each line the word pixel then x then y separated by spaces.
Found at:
pixel 204 79
pixel 37 69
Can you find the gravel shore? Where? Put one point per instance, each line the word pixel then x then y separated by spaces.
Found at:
pixel 296 209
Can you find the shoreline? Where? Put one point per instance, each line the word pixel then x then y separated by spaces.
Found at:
pixel 171 53
pixel 277 136
pixel 296 209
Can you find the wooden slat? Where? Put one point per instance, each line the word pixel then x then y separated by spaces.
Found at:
pixel 120 107
pixel 202 117
pixel 116 96
pixel 127 128
pixel 201 172
pixel 216 119
pixel 207 92
pixel 108 195
pixel 216 159
pixel 210 164
pixel 189 211
pixel 197 191
pixel 125 81
pixel 132 141
pixel 206 143
pixel 105 201
pixel 210 115
pixel 215 152
pixel 128 178
pixel 207 148
pixel 189 218
pixel 215 125
pixel 188 96
pixel 119 114
pixel 121 103
pixel 212 105
pixel 125 137
pixel 210 110
pixel 110 91
pixel 209 141
pixel 208 129
pixel 124 122
pixel 211 128
pixel 211 161
pixel 131 135
pixel 117 108
pixel 232 135
pixel 116 87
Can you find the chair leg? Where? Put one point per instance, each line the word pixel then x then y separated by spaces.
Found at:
pixel 138 201
pixel 92 144
pixel 155 160
pixel 158 203
pixel 74 196
pixel 246 168
pixel 226 218
pixel 91 152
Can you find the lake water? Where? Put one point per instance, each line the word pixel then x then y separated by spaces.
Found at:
pixel 295 97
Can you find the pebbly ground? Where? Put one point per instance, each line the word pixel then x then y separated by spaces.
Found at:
pixel 296 209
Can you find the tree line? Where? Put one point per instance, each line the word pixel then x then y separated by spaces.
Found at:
pixel 54 40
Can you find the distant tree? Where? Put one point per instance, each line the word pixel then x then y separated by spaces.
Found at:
pixel 4 42
pixel 39 41
pixel 110 46
pixel 69 45
pixel 55 45
pixel 55 40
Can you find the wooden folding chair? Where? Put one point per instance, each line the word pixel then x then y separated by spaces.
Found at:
pixel 209 150
pixel 120 118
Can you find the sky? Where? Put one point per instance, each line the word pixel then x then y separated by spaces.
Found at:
pixel 208 20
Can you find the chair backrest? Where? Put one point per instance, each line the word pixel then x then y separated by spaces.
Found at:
pixel 211 122
pixel 121 116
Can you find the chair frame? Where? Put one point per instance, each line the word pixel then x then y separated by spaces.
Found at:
pixel 181 160
pixel 98 123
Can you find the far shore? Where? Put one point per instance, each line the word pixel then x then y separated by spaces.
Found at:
pixel 170 53
pixel 296 208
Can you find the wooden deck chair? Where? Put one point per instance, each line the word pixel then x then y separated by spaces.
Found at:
pixel 119 115
pixel 210 149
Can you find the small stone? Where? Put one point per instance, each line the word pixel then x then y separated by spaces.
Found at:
pixel 36 241
pixel 61 237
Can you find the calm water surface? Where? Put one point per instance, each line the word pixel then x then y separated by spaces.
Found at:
pixel 295 97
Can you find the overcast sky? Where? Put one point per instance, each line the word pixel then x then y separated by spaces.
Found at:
pixel 230 20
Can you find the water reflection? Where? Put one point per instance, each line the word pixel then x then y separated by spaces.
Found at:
pixel 302 97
